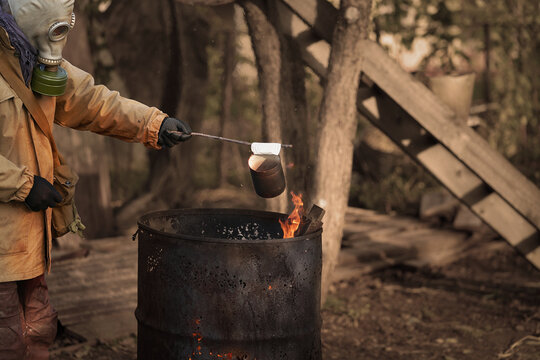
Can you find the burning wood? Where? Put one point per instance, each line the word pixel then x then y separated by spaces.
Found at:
pixel 290 225
pixel 298 224
pixel 311 222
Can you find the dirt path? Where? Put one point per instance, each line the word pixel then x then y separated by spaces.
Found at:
pixel 485 306
pixel 476 308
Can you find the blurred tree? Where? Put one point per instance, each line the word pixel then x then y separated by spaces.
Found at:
pixel 283 93
pixel 159 49
pixel 265 42
pixel 228 46
pixel 194 23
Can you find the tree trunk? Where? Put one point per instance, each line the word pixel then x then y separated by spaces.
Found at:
pixel 229 60
pixel 170 98
pixel 135 29
pixel 170 39
pixel 194 39
pixel 266 46
pixel 293 105
pixel 338 128
pixel 138 36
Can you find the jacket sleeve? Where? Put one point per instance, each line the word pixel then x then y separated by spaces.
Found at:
pixel 15 182
pixel 86 106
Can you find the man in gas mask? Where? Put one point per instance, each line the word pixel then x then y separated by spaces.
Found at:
pixel 32 36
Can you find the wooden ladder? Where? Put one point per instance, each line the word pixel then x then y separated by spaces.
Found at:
pixel 426 129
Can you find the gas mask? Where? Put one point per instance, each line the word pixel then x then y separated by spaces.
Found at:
pixel 46 24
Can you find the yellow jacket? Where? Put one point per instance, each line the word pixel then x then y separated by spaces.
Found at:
pixel 25 236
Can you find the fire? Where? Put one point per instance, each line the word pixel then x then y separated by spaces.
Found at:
pixel 290 225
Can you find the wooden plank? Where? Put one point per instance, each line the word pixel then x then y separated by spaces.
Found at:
pixel 497 213
pixel 412 242
pixel 99 292
pixel 313 48
pixel 111 325
pixel 76 315
pixel 97 264
pixel 456 177
pixel 95 285
pixel 421 104
pixel 103 260
pixel 321 15
pixel 78 304
pixel 403 130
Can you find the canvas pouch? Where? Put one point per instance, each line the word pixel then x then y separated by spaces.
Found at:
pixel 65 217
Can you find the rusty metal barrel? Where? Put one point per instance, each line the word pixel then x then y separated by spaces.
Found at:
pixel 224 284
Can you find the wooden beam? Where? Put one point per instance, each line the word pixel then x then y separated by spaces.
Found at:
pixel 311 45
pixel 320 15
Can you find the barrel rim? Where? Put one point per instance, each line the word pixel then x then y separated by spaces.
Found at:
pixel 240 212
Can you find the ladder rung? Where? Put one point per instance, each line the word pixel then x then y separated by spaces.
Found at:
pixel 528 245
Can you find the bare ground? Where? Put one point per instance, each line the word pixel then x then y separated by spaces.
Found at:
pixel 484 306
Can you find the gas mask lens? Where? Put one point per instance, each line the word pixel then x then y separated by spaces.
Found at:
pixel 59 30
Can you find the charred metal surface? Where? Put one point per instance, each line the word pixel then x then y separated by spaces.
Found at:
pixel 223 284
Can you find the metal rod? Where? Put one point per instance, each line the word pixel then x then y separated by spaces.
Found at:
pixel 221 138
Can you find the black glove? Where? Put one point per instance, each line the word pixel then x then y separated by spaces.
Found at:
pixel 42 195
pixel 172 124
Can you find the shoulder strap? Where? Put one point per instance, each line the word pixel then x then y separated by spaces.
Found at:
pixel 29 100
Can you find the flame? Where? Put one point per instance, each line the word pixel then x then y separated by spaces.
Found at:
pixel 290 225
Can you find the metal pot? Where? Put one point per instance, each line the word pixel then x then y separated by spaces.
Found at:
pixel 267 175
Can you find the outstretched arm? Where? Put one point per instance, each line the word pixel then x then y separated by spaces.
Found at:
pixel 86 106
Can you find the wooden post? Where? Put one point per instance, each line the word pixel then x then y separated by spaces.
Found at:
pixel 487 70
